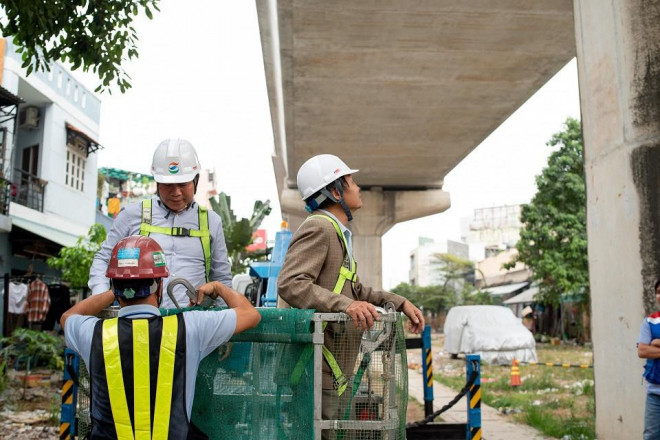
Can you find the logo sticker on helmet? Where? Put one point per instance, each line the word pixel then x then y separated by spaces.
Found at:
pixel 128 257
pixel 159 259
pixel 173 167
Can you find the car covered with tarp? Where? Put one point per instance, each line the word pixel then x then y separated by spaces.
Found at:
pixel 493 332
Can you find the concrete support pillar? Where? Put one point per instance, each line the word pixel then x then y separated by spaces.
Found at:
pixel 380 211
pixel 618 47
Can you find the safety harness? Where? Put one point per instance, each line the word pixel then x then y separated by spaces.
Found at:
pixel 148 355
pixel 347 272
pixel 203 233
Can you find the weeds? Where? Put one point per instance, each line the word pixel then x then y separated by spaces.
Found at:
pixel 558 402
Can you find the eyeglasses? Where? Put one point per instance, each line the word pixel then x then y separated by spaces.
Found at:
pixel 140 288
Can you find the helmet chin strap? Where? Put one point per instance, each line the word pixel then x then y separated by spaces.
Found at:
pixel 341 202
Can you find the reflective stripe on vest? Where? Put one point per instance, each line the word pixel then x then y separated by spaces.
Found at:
pixel 141 379
pixel 203 233
pixel 345 274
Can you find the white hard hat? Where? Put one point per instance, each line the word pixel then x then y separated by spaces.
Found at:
pixel 175 161
pixel 318 172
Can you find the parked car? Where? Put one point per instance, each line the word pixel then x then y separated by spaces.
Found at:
pixel 493 332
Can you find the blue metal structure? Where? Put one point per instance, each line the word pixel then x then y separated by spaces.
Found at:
pixel 427 370
pixel 474 397
pixel 69 394
pixel 270 270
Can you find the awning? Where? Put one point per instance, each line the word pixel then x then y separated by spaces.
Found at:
pixel 73 133
pixel 56 236
pixel 7 98
pixel 524 297
pixel 505 289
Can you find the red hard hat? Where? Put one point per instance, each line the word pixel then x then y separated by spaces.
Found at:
pixel 137 257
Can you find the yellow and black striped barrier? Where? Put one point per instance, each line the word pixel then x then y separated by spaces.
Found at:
pixel 474 397
pixel 69 394
pixel 550 364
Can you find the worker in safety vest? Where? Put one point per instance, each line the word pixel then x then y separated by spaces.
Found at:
pixel 190 235
pixel 143 366
pixel 319 271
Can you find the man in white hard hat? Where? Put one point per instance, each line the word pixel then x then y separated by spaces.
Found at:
pixel 319 272
pixel 190 235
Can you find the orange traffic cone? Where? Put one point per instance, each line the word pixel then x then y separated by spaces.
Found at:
pixel 515 374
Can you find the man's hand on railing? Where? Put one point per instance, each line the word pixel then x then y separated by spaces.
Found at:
pixel 363 314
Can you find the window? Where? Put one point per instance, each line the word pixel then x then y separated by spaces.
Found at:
pixel 75 168
pixel 30 162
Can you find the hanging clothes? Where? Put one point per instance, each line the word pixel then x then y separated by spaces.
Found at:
pixel 17 301
pixel 38 302
pixel 60 302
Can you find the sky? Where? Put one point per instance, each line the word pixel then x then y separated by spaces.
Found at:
pixel 200 76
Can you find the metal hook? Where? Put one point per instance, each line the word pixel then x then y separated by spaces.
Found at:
pixel 190 290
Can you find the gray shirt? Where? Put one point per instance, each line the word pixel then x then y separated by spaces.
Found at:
pixel 184 255
pixel 205 331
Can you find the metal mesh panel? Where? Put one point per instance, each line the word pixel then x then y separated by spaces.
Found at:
pixel 374 404
pixel 245 389
pixel 261 384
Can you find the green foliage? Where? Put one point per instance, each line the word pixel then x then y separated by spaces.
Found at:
pixel 95 35
pixel 574 427
pixel 41 348
pixel 437 298
pixel 553 241
pixel 75 261
pixel 238 232
pixel 434 299
pixel 478 298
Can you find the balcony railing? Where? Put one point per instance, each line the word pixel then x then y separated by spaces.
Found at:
pixel 6 193
pixel 29 190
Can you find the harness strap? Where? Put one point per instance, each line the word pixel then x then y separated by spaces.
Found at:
pixel 203 233
pixel 345 274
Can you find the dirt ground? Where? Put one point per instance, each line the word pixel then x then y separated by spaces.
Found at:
pixel 32 412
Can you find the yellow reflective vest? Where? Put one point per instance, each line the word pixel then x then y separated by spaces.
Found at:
pixel 137 379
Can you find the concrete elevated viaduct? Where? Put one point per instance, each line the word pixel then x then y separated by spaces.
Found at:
pixel 404 90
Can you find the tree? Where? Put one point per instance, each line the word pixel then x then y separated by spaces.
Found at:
pixel 454 270
pixel 95 35
pixel 433 299
pixel 75 261
pixel 238 233
pixel 553 240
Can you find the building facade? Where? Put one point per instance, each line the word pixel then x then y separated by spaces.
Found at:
pixel 425 268
pixel 48 164
pixel 496 228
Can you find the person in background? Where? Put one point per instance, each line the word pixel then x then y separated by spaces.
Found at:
pixel 648 347
pixel 143 366
pixel 190 235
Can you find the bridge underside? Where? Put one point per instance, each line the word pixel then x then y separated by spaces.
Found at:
pixel 404 90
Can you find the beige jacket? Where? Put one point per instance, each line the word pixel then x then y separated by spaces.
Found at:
pixel 308 275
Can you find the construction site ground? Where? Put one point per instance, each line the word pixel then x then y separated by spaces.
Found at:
pixel 35 414
pixel 497 423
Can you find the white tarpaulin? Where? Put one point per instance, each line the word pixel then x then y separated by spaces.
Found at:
pixel 493 332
